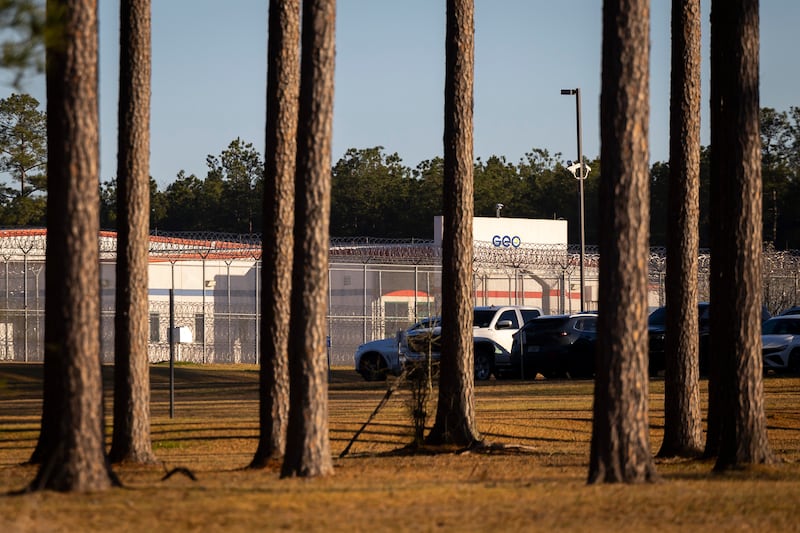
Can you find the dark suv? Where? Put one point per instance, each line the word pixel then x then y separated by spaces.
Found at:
pixel 657 327
pixel 556 346
pixel 656 331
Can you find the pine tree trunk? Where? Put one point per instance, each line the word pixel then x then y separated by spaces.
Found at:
pixel 74 459
pixel 131 436
pixel 283 85
pixel 455 413
pixel 620 447
pixel 740 435
pixel 307 441
pixel 683 429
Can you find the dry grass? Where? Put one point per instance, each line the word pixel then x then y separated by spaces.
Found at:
pixel 215 430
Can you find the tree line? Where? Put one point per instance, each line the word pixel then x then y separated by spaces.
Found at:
pixel 375 194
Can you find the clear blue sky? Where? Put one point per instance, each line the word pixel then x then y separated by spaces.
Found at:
pixel 209 76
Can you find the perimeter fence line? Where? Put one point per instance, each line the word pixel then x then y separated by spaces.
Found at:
pixel 377 287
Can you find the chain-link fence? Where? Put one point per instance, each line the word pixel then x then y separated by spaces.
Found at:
pixel 376 287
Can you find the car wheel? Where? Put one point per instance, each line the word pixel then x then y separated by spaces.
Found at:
pixel 483 366
pixel 794 362
pixel 372 367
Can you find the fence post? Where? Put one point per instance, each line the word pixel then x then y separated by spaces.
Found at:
pixel 171 338
pixel 257 308
pixel 364 310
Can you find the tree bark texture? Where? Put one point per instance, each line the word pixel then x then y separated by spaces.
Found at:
pixel 620 447
pixel 455 413
pixel 283 85
pixel 683 425
pixel 131 435
pixel 307 441
pixel 74 459
pixel 736 395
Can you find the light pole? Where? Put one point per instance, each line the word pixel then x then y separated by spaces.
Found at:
pixel 580 171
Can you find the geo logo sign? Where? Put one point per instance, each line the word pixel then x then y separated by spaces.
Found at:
pixel 506 241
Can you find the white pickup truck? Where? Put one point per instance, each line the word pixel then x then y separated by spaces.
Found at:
pixel 500 323
pixel 493 328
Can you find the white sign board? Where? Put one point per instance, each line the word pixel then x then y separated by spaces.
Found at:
pixel 512 232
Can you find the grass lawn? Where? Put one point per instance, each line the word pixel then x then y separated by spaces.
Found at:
pixel 214 433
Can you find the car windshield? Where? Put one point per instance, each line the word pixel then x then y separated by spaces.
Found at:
pixel 659 316
pixel 781 326
pixel 530 314
pixel 546 324
pixel 483 317
pixel 426 323
pixel 586 324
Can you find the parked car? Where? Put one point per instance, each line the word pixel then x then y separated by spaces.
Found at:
pixel 493 327
pixel 499 323
pixel 780 340
pixel 376 359
pixel 794 310
pixel 657 327
pixel 656 332
pixel 492 332
pixel 490 358
pixel 556 346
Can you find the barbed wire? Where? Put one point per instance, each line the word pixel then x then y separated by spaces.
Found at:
pixel 30 244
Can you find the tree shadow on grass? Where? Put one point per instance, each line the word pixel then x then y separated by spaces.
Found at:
pixel 418 379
